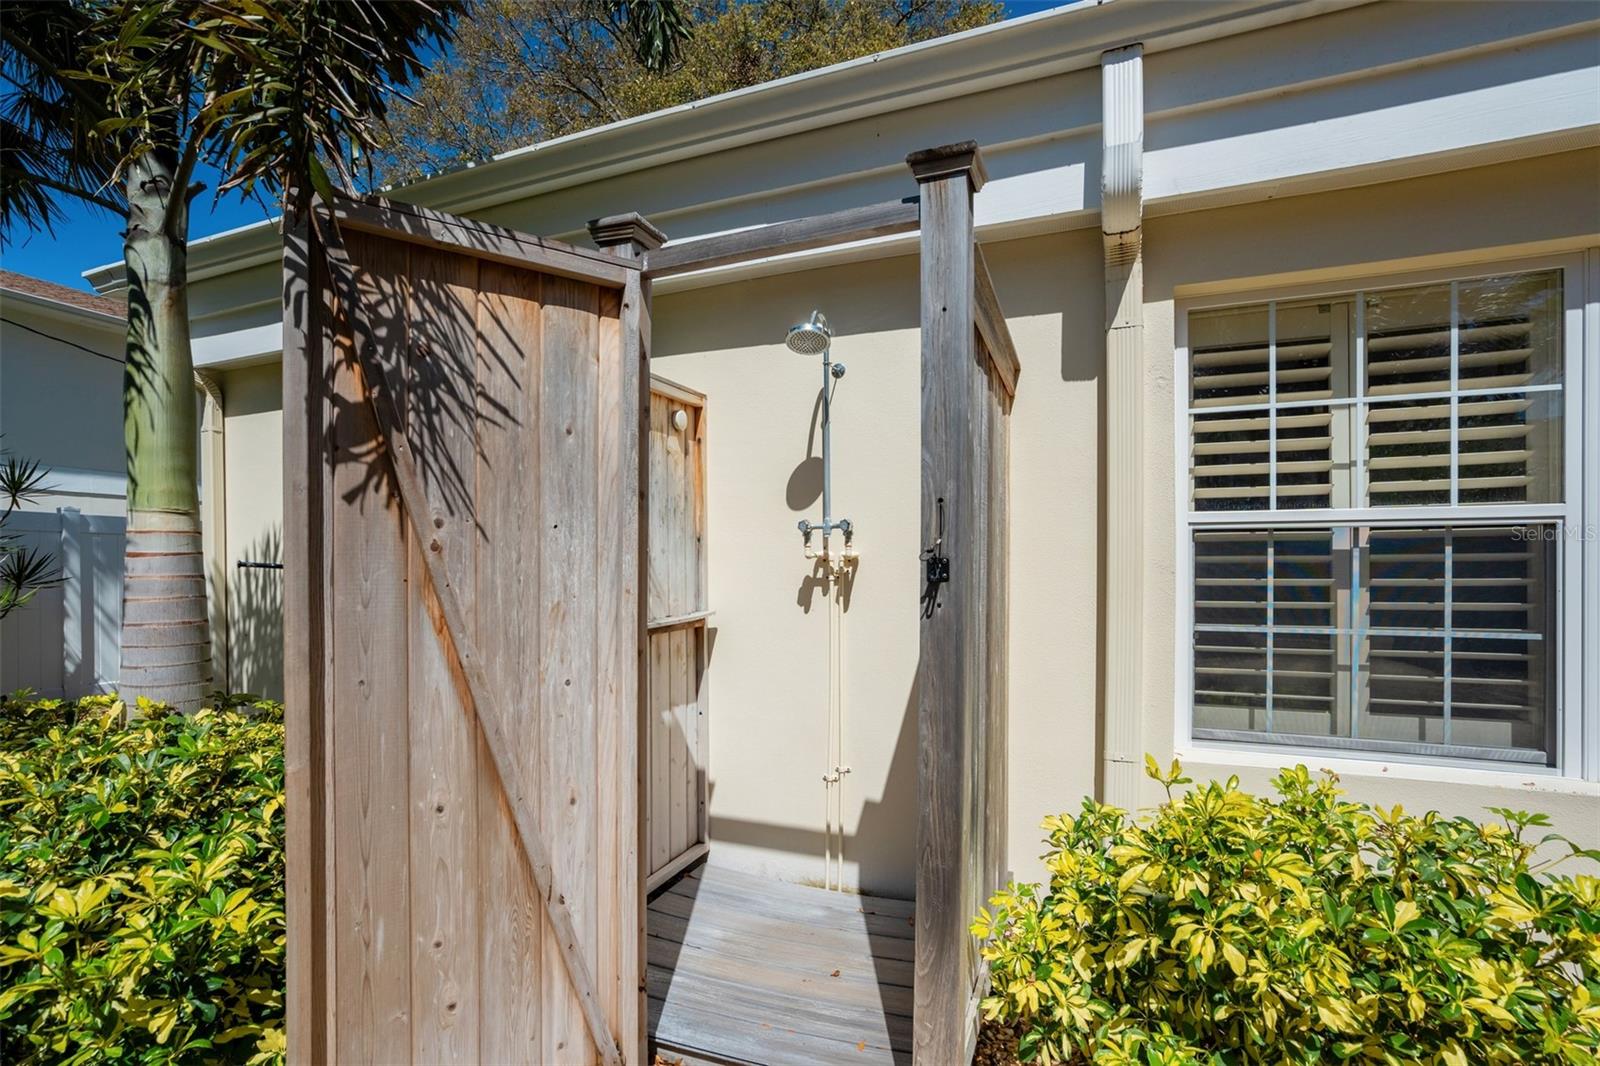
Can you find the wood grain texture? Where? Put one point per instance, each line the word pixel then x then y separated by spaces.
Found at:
pixel 522 798
pixel 371 727
pixel 441 426
pixel 617 606
pixel 568 479
pixel 434 229
pixel 659 603
pixel 677 754
pixel 992 327
pixel 950 670
pixel 779 238
pixel 745 969
pixel 474 434
pixel 999 658
pixel 658 813
pixel 631 894
pixel 513 925
pixel 306 315
pixel 681 773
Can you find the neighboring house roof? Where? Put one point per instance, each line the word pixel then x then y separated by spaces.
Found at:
pixel 49 291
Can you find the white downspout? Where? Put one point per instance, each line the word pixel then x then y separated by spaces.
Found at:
pixel 1121 211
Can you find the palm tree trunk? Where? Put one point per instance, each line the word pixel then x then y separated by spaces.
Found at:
pixel 166 641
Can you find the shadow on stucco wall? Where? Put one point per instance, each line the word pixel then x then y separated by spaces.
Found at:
pixel 255 618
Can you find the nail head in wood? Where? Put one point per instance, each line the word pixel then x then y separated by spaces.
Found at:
pixel 630 229
pixel 947 161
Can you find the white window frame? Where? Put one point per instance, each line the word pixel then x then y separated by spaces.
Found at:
pixel 1577 710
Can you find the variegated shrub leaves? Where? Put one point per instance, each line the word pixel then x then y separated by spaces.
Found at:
pixel 141 884
pixel 1228 928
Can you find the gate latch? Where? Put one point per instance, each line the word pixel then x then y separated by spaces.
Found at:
pixel 936 565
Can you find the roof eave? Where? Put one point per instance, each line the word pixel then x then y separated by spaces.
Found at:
pixel 60 309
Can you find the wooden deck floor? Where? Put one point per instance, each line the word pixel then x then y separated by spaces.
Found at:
pixel 746 970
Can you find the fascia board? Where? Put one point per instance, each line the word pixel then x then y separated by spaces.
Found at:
pixel 64 312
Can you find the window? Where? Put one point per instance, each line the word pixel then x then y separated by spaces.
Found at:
pixel 1377 499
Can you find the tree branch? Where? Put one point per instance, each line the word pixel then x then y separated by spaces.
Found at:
pixel 177 221
pixel 73 191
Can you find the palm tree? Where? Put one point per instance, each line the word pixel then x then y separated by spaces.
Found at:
pixel 116 103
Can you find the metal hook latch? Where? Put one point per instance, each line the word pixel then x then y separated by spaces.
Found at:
pixel 936 565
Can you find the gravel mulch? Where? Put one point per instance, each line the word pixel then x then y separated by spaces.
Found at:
pixel 997 1045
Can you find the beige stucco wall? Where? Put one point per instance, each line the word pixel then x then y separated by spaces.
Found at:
pixel 768 670
pixel 62 405
pixel 253 420
pixel 768 664
pixel 1445 222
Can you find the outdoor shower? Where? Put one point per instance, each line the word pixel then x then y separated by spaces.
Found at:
pixel 813 337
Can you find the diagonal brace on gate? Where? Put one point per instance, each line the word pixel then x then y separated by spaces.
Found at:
pixel 479 694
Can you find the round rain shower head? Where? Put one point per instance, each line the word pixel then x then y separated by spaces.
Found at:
pixel 810 337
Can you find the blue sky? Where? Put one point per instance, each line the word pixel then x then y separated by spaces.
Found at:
pixel 89 237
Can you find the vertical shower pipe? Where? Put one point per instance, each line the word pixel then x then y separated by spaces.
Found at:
pixel 813 337
pixel 833 781
pixel 833 568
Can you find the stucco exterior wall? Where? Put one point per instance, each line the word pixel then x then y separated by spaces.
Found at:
pixel 61 404
pixel 1284 144
pixel 768 664
pixel 253 439
pixel 1344 239
pixel 768 669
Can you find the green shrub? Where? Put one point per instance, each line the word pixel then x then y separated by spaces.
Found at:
pixel 1227 928
pixel 141 883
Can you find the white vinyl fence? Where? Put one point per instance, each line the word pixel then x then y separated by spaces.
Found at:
pixel 65 642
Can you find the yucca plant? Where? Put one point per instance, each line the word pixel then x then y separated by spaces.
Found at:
pixel 1226 928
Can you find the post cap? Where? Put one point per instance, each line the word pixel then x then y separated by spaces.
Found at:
pixel 631 228
pixel 947 161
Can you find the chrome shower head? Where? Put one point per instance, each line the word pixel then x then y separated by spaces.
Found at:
pixel 811 337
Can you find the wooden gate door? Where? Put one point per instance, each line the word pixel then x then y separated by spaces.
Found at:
pixel 462 411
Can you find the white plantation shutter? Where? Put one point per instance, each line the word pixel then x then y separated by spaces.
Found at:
pixel 1435 636
pixel 1270 445
pixel 1232 369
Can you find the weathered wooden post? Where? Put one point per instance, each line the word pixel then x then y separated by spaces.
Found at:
pixel 632 235
pixel 952 689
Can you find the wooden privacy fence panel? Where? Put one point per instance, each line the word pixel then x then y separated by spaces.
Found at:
pixel 969 372
pixel 463 706
pixel 676 743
